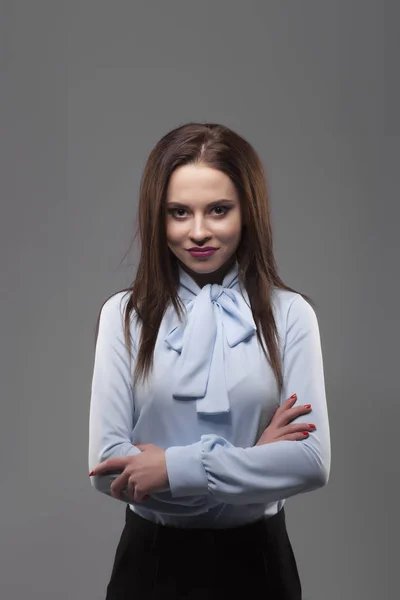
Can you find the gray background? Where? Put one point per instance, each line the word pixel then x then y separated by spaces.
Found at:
pixel 87 90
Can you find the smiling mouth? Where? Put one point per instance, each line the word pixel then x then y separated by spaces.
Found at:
pixel 202 252
pixel 205 249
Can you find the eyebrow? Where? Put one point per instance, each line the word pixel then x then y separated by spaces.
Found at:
pixel 210 205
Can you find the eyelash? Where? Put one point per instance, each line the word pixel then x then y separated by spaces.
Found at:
pixel 172 212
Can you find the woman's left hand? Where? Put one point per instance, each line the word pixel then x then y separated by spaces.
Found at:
pixel 141 474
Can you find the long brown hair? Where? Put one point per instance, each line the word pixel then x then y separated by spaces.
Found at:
pixel 157 279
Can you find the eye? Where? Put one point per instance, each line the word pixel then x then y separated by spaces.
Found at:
pixel 178 213
pixel 181 213
pixel 220 210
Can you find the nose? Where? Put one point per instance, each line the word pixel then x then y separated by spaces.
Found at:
pixel 199 232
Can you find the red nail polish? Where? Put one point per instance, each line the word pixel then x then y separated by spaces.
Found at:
pixel 293 396
pixel 305 432
pixel 91 473
pixel 307 406
pixel 311 425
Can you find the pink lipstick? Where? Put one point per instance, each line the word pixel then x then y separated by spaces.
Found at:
pixel 205 252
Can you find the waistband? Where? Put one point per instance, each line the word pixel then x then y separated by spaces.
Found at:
pixel 266 524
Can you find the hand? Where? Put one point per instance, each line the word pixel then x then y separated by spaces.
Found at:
pixel 141 474
pixel 279 428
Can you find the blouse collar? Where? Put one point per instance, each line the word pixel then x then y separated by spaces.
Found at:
pixel 215 315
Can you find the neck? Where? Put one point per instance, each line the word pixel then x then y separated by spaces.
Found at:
pixel 217 276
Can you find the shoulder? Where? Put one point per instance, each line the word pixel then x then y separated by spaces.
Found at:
pixel 111 325
pixel 114 307
pixel 285 302
pixel 112 312
pixel 292 310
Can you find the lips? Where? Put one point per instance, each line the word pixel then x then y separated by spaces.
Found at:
pixel 202 249
pixel 205 252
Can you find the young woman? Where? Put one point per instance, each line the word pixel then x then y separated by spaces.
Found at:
pixel 208 403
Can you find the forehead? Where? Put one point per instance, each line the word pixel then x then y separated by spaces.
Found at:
pixel 199 182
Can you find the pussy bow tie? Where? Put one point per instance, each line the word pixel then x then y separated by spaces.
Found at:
pixel 214 313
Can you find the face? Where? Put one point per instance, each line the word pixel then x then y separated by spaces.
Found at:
pixel 204 221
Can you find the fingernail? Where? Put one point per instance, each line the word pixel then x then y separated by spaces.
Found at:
pixel 311 425
pixel 307 406
pixel 293 396
pixel 91 473
pixel 305 432
pixel 134 444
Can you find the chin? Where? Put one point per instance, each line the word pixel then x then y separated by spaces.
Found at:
pixel 202 268
pixel 205 267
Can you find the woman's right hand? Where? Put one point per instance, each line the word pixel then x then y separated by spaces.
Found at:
pixel 281 428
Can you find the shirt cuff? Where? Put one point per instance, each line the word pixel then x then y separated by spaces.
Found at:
pixel 186 474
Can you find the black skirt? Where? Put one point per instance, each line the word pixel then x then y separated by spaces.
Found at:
pixel 158 562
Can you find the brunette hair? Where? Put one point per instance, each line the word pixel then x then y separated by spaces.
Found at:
pixel 157 278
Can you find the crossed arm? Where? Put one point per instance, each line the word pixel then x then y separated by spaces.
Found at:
pixel 211 469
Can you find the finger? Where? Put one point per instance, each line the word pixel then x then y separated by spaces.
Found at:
pixel 138 495
pixel 134 494
pixel 130 490
pixel 294 437
pixel 284 407
pixel 298 411
pixel 288 403
pixel 110 465
pixel 119 484
pixel 297 427
pixel 301 409
pixel 292 413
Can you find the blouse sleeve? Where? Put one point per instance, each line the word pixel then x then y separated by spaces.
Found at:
pixel 274 471
pixel 111 405
pixel 111 416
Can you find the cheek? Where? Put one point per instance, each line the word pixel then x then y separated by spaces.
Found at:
pixel 174 232
pixel 232 231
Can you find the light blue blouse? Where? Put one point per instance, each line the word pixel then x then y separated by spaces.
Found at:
pixel 210 396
